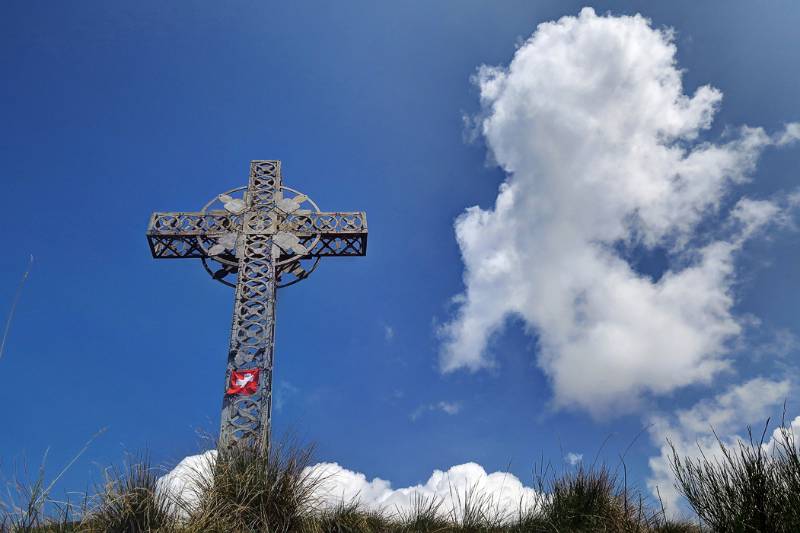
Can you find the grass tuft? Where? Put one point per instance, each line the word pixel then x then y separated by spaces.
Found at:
pixel 129 501
pixel 248 490
pixel 753 485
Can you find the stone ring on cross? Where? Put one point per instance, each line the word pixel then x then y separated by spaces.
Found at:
pixel 290 244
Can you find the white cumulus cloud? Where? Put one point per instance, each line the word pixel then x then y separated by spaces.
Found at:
pixel 450 487
pixel 183 483
pixel 504 490
pixel 603 155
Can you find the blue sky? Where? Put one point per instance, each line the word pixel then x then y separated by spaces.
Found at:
pixel 112 111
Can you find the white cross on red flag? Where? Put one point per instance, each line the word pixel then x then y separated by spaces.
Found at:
pixel 243 382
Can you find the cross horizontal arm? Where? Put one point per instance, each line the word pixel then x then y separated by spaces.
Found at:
pixel 174 235
pixel 340 233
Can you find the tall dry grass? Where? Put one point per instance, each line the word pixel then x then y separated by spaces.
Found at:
pixel 245 490
pixel 753 485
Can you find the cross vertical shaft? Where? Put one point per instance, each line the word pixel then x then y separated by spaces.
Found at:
pixel 247 418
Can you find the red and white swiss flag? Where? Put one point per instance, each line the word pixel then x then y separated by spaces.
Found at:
pixel 243 382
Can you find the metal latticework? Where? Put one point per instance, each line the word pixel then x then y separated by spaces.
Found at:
pixel 265 241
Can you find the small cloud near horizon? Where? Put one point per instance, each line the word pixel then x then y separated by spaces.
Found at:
pixel 573 458
pixel 449 408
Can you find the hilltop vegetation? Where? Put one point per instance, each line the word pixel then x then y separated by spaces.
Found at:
pixel 754 486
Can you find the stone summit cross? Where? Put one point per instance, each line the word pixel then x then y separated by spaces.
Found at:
pixel 270 237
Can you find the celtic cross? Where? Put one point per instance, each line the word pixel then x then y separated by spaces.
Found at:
pixel 270 237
